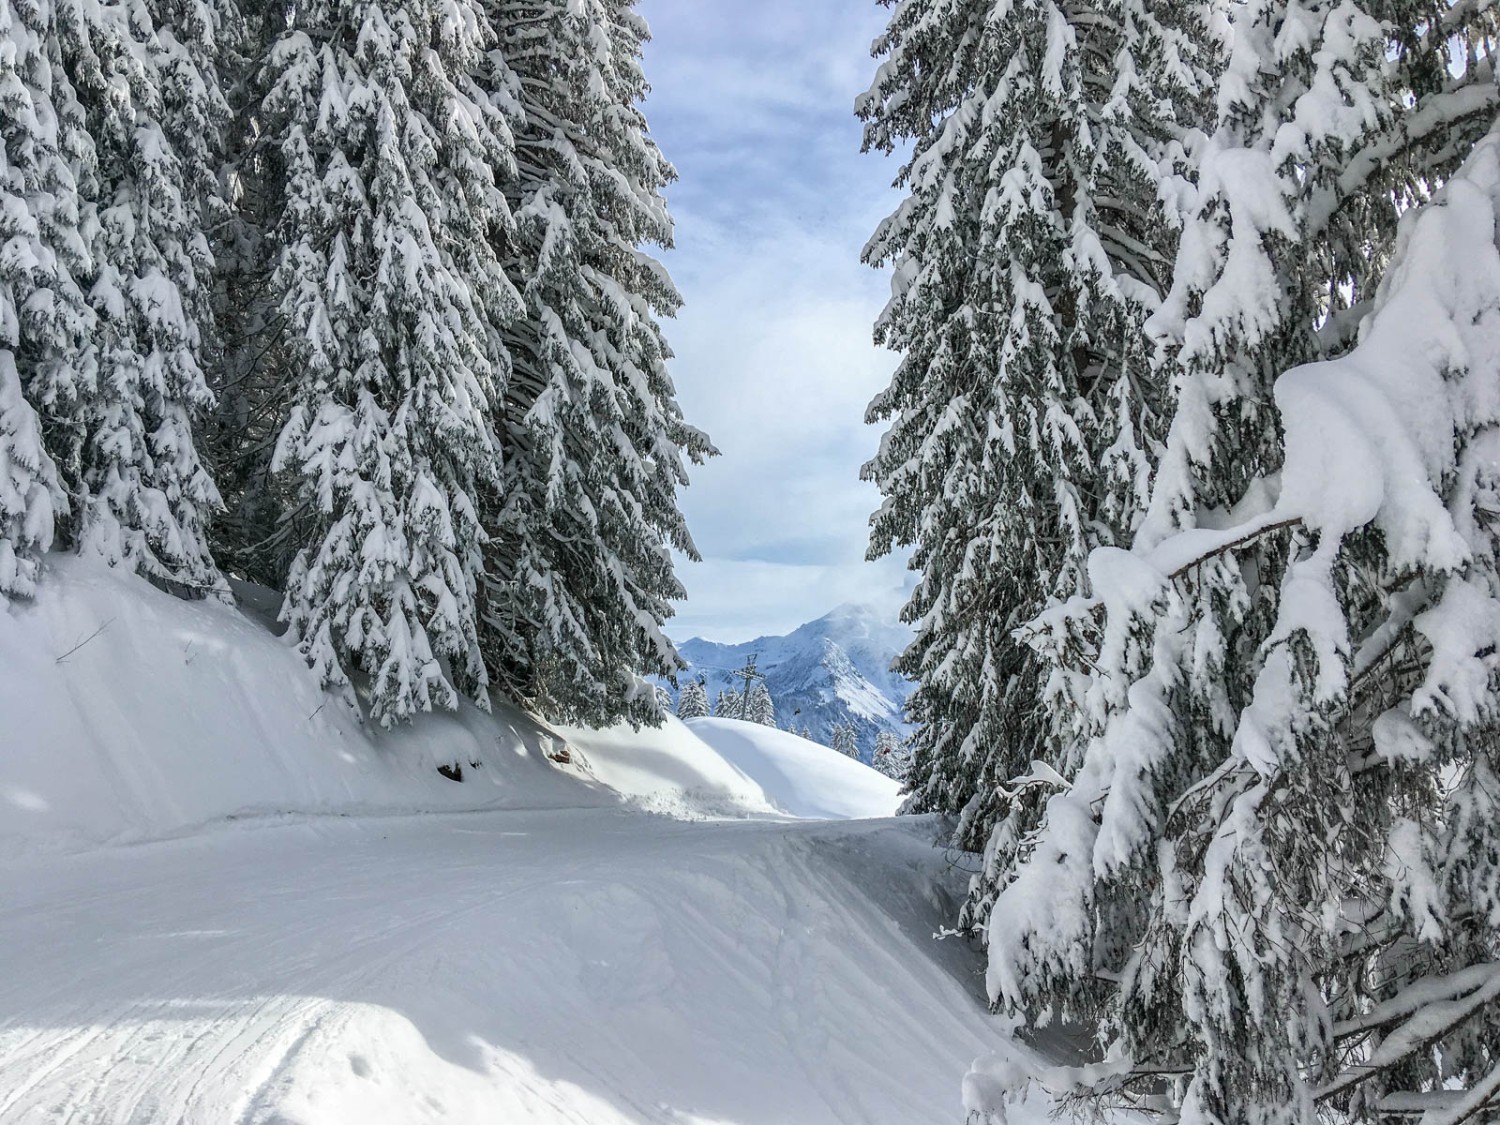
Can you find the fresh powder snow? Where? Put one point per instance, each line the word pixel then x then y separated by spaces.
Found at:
pixel 800 777
pixel 222 903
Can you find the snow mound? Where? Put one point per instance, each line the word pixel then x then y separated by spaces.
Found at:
pixel 724 767
pixel 799 777
pixel 669 770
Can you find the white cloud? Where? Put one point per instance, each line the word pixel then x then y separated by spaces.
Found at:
pixel 774 353
pixel 739 601
pixel 780 379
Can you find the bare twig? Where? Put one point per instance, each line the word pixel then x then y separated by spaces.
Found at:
pixel 85 640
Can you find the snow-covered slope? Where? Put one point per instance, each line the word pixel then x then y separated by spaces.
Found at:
pixel 532 949
pixel 801 778
pixel 834 670
pixel 129 714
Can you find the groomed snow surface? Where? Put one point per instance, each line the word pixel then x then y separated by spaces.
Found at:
pixel 221 906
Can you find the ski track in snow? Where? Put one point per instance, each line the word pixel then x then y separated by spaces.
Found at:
pixel 590 966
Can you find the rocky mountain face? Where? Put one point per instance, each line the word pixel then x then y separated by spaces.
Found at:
pixel 834 670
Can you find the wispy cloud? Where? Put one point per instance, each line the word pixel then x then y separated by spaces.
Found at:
pixel 753 103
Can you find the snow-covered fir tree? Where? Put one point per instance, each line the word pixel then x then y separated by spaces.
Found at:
pixel 1031 246
pixel 585 517
pixel 891 756
pixel 727 705
pixel 1258 870
pixel 692 701
pixel 846 740
pixel 760 708
pixel 110 158
pixel 392 297
pixel 151 494
pixel 1313 914
pixel 44 320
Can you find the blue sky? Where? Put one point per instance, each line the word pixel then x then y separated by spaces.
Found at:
pixel 754 105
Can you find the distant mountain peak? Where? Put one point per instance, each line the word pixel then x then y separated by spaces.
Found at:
pixel 859 610
pixel 833 670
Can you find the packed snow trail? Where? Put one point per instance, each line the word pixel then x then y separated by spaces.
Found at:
pixel 593 966
pixel 213 913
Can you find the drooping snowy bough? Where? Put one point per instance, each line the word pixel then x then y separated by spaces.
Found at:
pixel 1280 898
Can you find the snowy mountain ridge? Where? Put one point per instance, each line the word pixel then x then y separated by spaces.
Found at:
pixel 836 669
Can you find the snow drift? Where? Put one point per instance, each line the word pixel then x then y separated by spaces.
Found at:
pixel 799 777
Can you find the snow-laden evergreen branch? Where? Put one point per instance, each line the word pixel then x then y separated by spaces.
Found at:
pixel 1321 901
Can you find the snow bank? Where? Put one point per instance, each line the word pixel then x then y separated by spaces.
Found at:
pixel 127 714
pixel 669 770
pixel 725 767
pixel 799 777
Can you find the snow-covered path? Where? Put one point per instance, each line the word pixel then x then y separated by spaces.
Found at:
pixel 592 966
